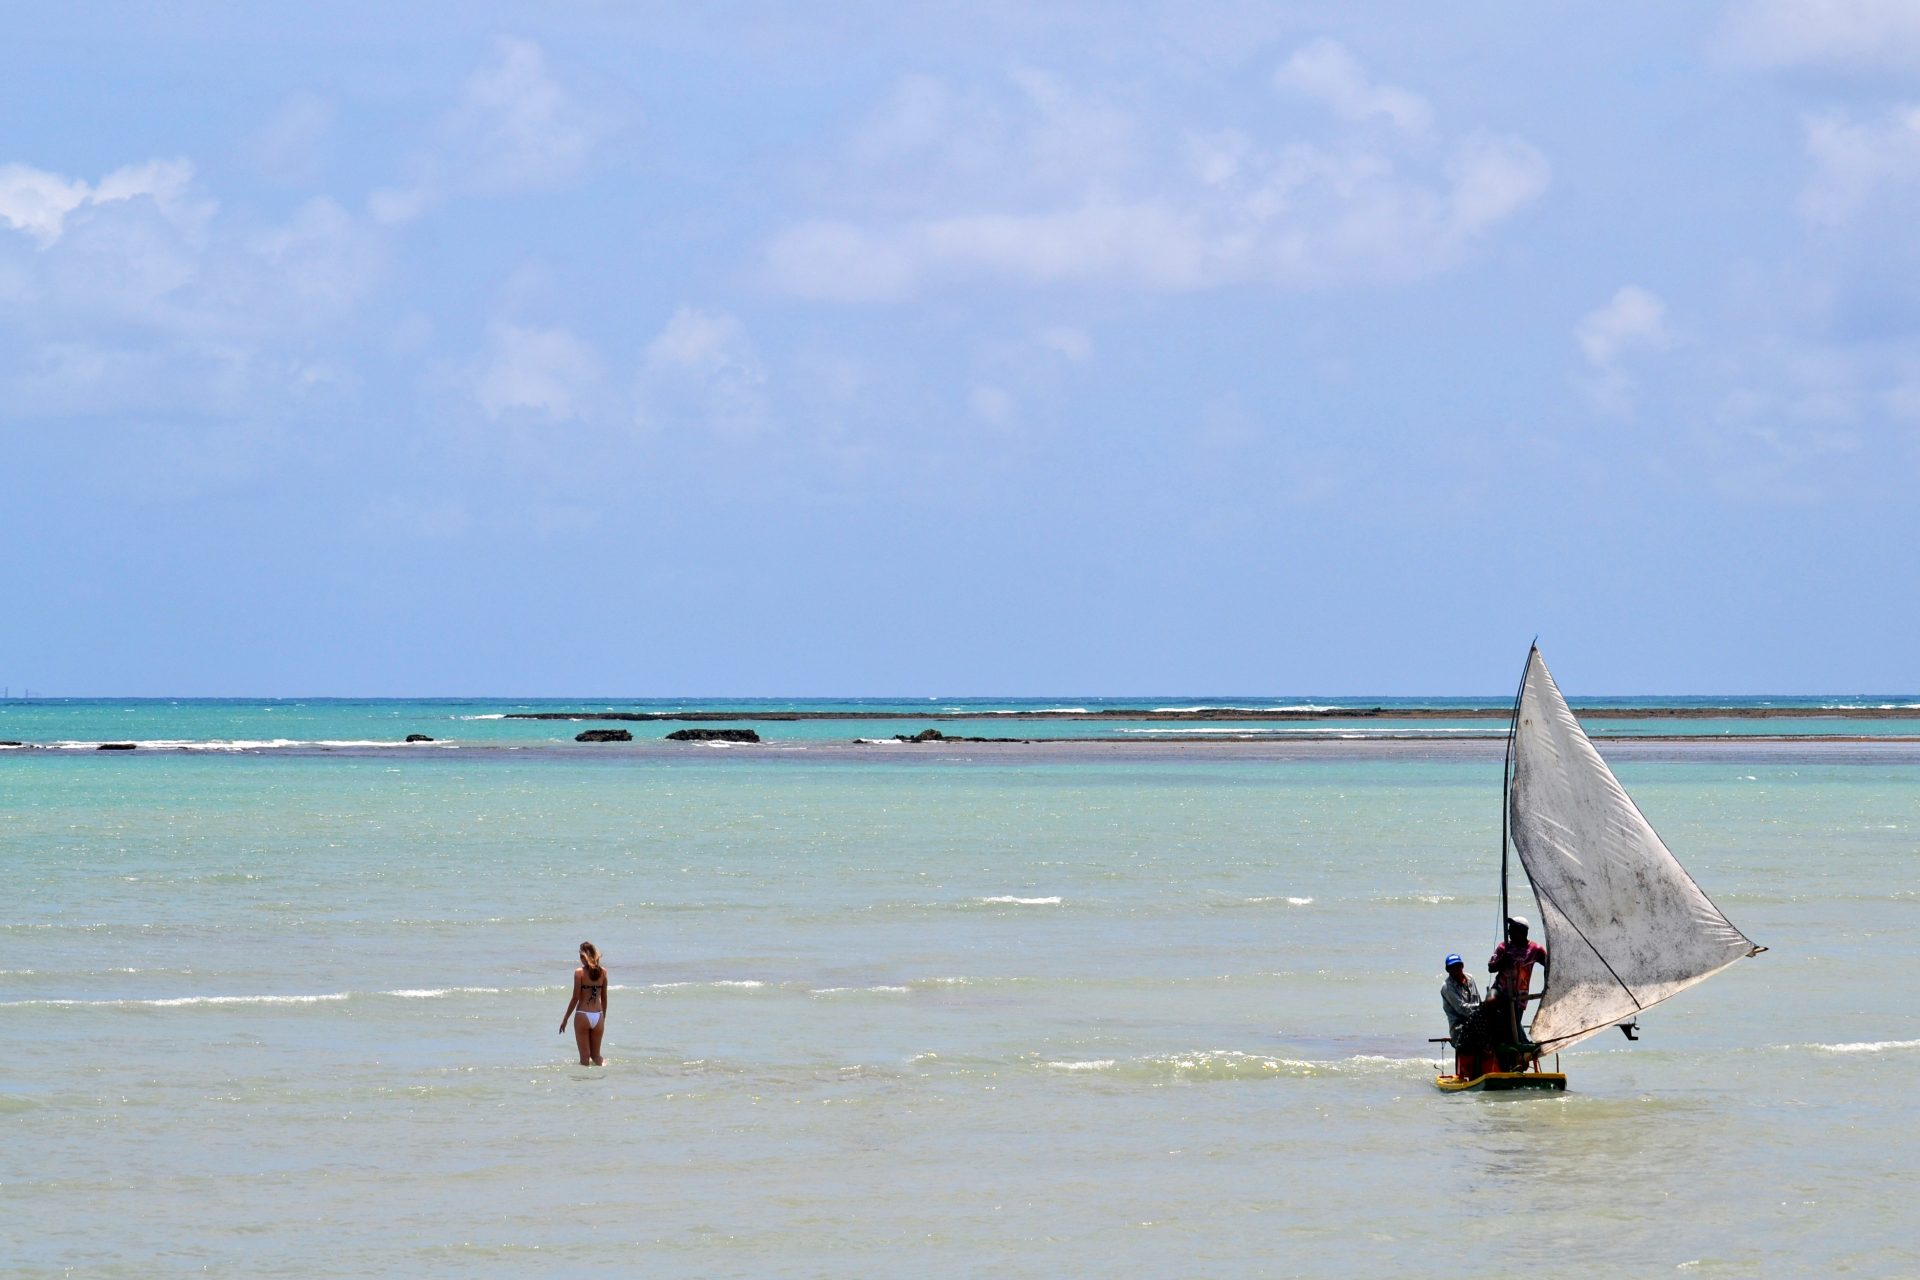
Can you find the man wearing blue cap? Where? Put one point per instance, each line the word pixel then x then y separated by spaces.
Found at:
pixel 1460 998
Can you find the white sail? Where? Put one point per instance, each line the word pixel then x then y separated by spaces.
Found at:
pixel 1626 926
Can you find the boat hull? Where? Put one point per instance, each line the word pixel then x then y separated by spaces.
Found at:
pixel 1504 1082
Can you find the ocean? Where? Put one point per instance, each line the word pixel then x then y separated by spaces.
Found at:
pixel 1140 1008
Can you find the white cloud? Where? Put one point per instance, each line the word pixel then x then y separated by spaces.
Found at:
pixel 834 260
pixel 1782 441
pixel 1216 159
pixel 934 143
pixel 703 343
pixel 1838 34
pixel 1067 341
pixel 1491 179
pixel 702 370
pixel 1069 133
pixel 137 295
pixel 1327 73
pixel 39 203
pixel 1056 192
pixel 397 206
pixel 145 248
pixel 517 128
pixel 918 114
pixel 1853 160
pixel 545 373
pixel 1633 321
pixel 990 404
pixel 319 260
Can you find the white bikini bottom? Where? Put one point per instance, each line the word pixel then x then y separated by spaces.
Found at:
pixel 593 1019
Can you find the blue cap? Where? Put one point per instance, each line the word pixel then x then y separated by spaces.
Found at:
pixel 1453 960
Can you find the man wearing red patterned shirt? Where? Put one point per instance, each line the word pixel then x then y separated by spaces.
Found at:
pixel 1512 970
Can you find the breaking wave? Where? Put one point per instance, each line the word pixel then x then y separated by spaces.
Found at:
pixel 1866 1046
pixel 1234 1064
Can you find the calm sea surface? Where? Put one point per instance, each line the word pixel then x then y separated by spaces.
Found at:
pixel 293 1013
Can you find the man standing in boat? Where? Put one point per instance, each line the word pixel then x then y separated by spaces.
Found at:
pixel 1512 970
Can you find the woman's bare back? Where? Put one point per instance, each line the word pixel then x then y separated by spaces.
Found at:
pixel 593 989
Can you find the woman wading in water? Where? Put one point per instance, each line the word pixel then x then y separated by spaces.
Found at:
pixel 588 1008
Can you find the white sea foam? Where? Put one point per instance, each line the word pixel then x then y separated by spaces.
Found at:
pixel 850 991
pixel 1234 1064
pixel 1187 731
pixel 1867 1046
pixel 1311 731
pixel 1040 711
pixel 491 715
pixel 1220 706
pixel 235 744
pixel 175 1002
pixel 1023 902
pixel 434 993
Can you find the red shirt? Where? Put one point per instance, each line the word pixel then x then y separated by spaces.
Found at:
pixel 1513 967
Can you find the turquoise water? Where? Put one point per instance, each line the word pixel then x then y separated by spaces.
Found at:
pixel 294 1014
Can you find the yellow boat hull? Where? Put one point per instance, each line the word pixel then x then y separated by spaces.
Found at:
pixel 1504 1082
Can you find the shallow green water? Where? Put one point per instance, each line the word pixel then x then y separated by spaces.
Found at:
pixel 295 1016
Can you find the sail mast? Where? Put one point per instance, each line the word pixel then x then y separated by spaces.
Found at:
pixel 1506 785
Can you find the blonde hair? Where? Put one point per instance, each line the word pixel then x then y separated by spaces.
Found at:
pixel 590 958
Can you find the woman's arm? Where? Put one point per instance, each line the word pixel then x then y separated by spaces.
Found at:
pixel 571 1004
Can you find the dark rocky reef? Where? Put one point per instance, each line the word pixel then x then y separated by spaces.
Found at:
pixel 116 746
pixel 604 735
pixel 713 735
pixel 418 737
pixel 934 735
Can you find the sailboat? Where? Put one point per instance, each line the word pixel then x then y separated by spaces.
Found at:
pixel 1626 926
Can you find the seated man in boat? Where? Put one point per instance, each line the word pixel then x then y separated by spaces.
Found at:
pixel 1459 997
pixel 1466 1021
pixel 1512 969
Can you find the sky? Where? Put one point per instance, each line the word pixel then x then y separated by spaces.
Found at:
pixel 943 350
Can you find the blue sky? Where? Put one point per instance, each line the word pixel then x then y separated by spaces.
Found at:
pixel 869 349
